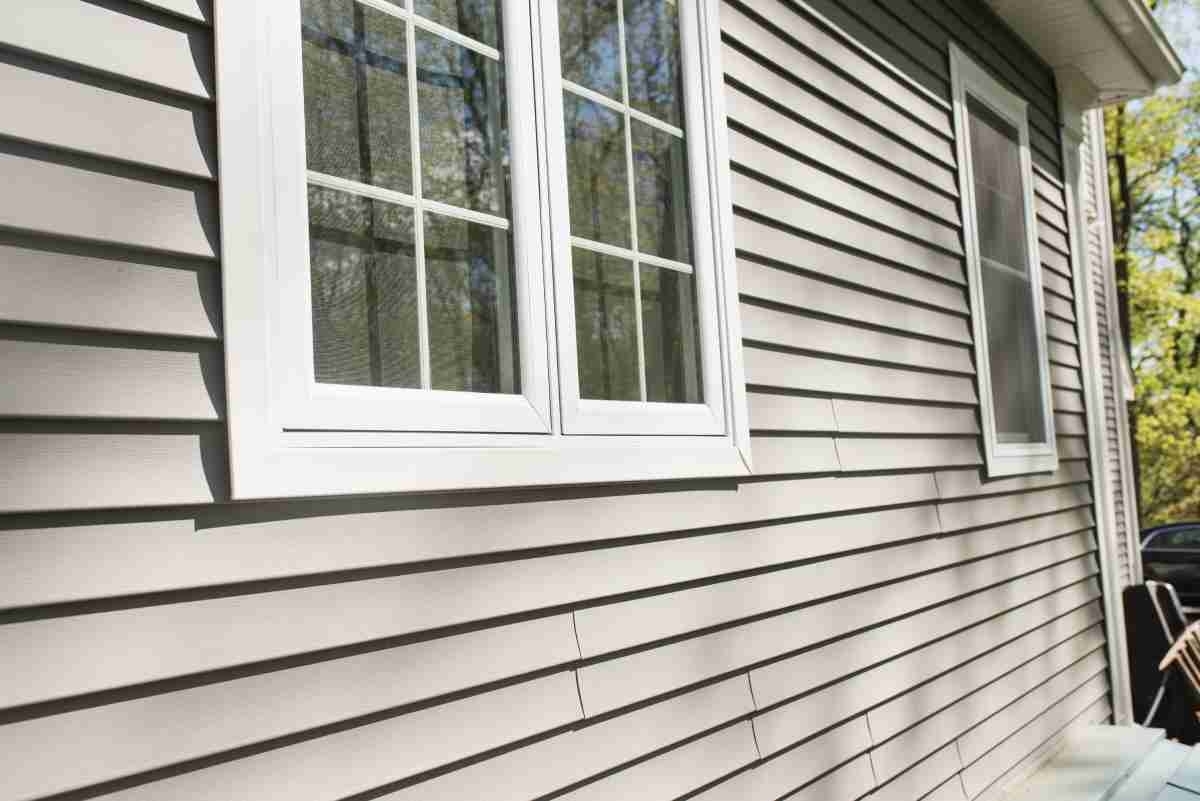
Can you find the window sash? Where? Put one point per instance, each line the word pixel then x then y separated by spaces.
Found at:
pixel 303 404
pixel 584 416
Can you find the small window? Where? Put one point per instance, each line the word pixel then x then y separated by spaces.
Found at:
pixel 467 242
pixel 1004 273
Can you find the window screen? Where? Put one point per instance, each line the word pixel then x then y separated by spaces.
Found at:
pixel 1009 307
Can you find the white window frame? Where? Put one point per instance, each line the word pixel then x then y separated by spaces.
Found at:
pixel 290 436
pixel 969 78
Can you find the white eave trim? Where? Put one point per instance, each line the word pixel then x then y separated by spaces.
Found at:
pixel 1141 34
pixel 1109 51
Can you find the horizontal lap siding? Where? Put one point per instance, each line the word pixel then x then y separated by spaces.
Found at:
pixel 867 617
pixel 110 313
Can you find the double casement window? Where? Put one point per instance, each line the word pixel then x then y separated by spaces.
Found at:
pixel 1004 273
pixel 475 243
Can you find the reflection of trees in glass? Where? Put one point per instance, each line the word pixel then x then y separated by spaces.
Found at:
pixel 464 126
pixel 468 277
pixel 477 19
pixel 596 171
pixel 611 293
pixel 661 189
pixel 356 94
pixel 605 327
pixel 653 58
pixel 358 127
pixel 672 335
pixel 589 41
pixel 364 291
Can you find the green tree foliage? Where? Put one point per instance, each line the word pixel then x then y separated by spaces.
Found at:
pixel 1154 171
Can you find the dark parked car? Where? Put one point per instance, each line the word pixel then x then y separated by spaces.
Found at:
pixel 1171 553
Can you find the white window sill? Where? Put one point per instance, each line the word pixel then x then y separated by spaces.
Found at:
pixel 1016 460
pixel 281 469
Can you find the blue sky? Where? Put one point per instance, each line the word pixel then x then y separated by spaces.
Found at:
pixel 1181 21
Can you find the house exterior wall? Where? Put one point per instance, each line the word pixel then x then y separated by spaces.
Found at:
pixel 863 617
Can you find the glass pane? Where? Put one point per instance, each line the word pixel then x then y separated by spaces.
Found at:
pixel 364 291
pixel 478 19
pixel 589 40
pixel 660 170
pixel 472 315
pixel 996 164
pixel 672 335
pixel 596 174
pixel 464 136
pixel 652 51
pixel 356 94
pixel 605 327
pixel 1013 356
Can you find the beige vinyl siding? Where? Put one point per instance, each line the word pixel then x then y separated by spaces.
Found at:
pixel 866 617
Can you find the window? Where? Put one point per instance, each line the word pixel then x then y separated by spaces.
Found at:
pixel 996 185
pixel 475 243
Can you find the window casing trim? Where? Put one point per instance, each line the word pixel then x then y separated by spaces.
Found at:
pixel 969 78
pixel 302 444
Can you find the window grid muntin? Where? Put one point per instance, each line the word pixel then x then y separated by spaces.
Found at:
pixel 604 248
pixel 628 113
pixel 416 201
pixel 404 199
pixel 404 13
pixel 631 185
pixel 1004 268
pixel 617 106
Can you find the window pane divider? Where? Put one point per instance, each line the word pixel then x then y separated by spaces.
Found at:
pixel 617 106
pixel 418 209
pixel 429 25
pixel 456 37
pixel 403 199
pixel 631 184
pixel 626 253
pixel 469 215
pixel 1004 268
pixel 359 188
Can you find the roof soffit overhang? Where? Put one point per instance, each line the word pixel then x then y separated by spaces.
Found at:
pixel 1102 51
